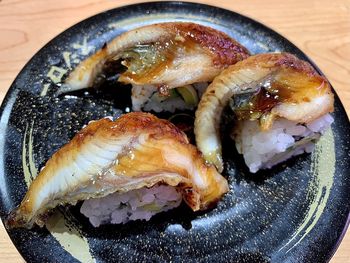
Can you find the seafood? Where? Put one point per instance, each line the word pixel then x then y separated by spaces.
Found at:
pixel 157 58
pixel 262 88
pixel 136 151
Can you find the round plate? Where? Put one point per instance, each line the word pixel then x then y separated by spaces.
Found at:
pixel 296 212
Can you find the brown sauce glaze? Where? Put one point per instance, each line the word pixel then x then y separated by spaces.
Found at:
pixel 164 54
pixel 184 39
pixel 224 49
pixel 287 86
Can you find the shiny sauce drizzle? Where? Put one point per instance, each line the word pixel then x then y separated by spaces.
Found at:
pixel 147 61
pixel 286 86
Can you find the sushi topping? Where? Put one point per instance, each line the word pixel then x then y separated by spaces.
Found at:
pixel 264 87
pixel 171 54
pixel 285 87
pixel 144 61
pixel 254 104
pixel 137 150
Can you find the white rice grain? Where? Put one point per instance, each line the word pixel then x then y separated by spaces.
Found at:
pixel 140 204
pixel 260 147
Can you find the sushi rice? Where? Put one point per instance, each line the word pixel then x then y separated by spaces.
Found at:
pixel 264 149
pixel 142 204
pixel 145 98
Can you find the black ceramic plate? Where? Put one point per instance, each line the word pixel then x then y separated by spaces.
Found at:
pixel 296 212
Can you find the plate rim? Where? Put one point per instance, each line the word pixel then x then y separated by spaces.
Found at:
pixel 12 88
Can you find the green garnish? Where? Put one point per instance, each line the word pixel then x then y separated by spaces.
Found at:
pixel 312 138
pixel 189 95
pixel 153 207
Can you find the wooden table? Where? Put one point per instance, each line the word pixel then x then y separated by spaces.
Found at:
pixel 321 28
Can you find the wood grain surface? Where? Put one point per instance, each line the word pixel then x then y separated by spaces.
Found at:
pixel 321 28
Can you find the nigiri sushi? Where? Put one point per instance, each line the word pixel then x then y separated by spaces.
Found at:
pixel 281 105
pixel 168 64
pixel 137 165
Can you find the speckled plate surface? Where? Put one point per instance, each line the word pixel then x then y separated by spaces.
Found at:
pixel 296 212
